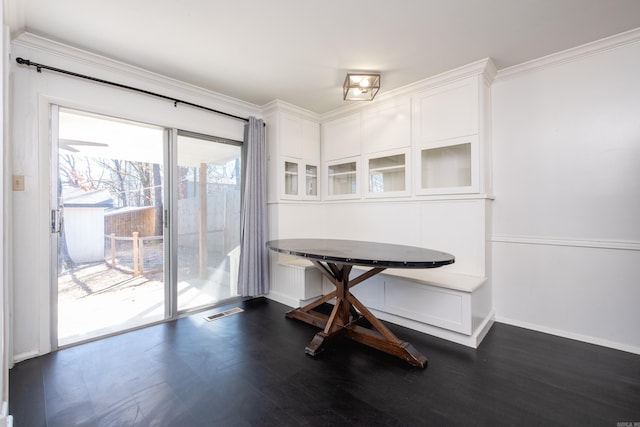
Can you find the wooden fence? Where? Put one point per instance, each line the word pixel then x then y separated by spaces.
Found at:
pixel 135 254
pixel 124 222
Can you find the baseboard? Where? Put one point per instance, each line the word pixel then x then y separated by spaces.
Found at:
pixel 283 299
pixel 24 356
pixel 569 335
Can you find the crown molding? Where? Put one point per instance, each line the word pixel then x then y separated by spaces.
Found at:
pixel 481 67
pixel 279 106
pixel 84 58
pixel 572 54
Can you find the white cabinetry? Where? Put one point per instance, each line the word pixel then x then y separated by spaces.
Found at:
pixel 447 133
pixel 341 151
pixel 447 111
pixel 387 125
pixel 299 158
pixel 412 167
pixel 341 138
pixel 380 135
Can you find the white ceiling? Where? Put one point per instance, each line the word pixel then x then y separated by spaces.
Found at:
pixel 299 51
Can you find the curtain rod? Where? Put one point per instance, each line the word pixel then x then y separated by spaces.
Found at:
pixel 175 101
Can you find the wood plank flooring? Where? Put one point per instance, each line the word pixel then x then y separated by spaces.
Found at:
pixel 250 369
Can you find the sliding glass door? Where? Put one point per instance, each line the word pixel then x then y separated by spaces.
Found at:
pixel 109 223
pixel 208 220
pixel 107 206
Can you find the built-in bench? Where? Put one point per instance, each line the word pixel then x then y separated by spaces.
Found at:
pixel 294 281
pixel 450 305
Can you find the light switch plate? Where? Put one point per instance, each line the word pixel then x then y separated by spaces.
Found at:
pixel 18 182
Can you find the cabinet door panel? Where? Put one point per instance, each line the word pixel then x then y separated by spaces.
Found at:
pixel 310 141
pixel 291 179
pixel 291 137
pixel 386 126
pixel 341 137
pixel 446 112
pixel 342 179
pixel 387 173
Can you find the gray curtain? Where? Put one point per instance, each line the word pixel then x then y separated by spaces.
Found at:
pixel 253 277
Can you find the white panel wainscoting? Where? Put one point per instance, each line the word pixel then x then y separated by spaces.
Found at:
pixel 457 227
pixel 566 235
pixel 576 289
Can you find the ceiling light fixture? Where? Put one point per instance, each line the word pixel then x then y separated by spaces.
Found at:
pixel 361 86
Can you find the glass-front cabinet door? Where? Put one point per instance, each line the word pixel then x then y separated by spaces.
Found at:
pixel 387 174
pixel 342 179
pixel 311 181
pixel 449 166
pixel 290 178
pixel 300 180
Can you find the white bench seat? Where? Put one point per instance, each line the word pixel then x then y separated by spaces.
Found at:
pixel 436 301
pixel 437 277
pixel 450 305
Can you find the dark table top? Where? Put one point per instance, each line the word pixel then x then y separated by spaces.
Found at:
pixel 355 252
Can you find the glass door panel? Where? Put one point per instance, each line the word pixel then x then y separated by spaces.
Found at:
pixel 107 206
pixel 208 220
pixel 291 178
pixel 448 166
pixel 311 187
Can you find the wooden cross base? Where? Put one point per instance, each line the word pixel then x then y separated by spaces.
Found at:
pixel 347 315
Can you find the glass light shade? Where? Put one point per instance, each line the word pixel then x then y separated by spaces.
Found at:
pixel 361 86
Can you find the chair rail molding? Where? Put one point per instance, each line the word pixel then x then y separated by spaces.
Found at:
pixel 628 245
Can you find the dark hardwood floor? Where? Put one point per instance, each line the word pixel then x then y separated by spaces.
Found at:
pixel 250 369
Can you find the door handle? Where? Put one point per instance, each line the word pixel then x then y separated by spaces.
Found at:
pixel 55 221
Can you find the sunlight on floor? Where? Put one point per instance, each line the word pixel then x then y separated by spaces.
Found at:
pixel 96 300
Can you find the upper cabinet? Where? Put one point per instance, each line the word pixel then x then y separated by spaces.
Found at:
pixel 431 138
pixel 445 112
pixel 294 157
pixel 299 138
pixel 448 126
pixel 386 126
pixel 341 138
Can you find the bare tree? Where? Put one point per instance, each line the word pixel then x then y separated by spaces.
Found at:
pixel 140 180
pixel 117 185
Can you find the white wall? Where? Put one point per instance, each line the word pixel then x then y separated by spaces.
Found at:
pixel 566 165
pixel 31 95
